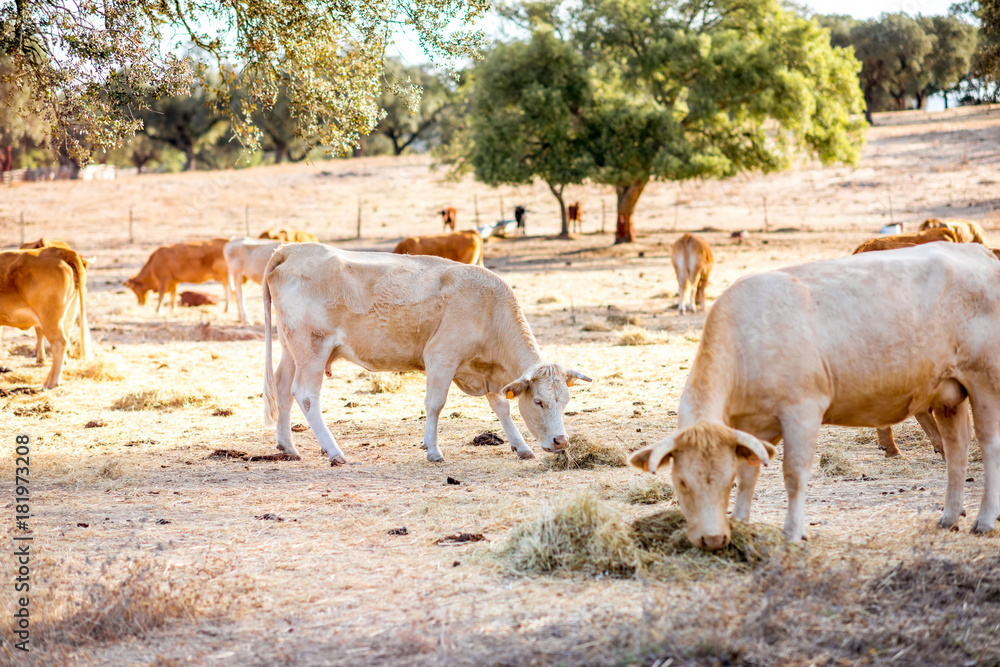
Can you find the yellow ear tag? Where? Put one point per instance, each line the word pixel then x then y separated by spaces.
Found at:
pixel 570 381
pixel 510 394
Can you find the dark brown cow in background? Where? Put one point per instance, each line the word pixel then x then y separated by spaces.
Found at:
pixel 448 215
pixel 575 220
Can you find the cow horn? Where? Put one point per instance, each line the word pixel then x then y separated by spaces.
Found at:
pixel 649 458
pixel 572 376
pixel 763 451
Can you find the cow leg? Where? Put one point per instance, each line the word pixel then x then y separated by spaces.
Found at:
pixel 887 442
pixel 238 288
pixel 283 378
pixel 53 331
pixel 39 346
pixel 700 297
pixel 682 293
pixel 306 388
pixel 953 423
pixel 159 301
pixel 746 475
pixel 926 421
pixel 438 382
pixel 987 420
pixel 501 407
pixel 799 427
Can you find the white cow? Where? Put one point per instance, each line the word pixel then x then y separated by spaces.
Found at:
pixel 247 259
pixel 384 312
pixel 866 340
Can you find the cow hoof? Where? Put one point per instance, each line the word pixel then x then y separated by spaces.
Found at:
pixel 948 523
pixel 980 527
pixel 435 458
pixel 526 455
pixel 337 461
pixel 892 455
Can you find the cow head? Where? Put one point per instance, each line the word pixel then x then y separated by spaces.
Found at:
pixel 139 288
pixel 542 394
pixel 705 463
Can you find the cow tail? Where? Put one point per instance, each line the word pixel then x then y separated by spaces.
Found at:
pixel 693 265
pixel 270 401
pixel 478 259
pixel 80 280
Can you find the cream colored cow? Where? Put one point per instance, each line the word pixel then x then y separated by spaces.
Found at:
pixel 866 340
pixel 246 259
pixel 384 312
pixel 693 260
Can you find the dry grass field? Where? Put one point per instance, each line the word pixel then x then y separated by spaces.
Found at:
pixel 150 550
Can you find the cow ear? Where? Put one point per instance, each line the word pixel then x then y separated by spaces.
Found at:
pixel 652 457
pixel 572 376
pixel 754 451
pixel 515 388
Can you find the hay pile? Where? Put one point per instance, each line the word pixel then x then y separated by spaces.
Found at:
pixel 586 536
pixel 634 335
pixel 582 535
pixel 160 399
pixel 584 453
pixel 834 463
pixel 647 490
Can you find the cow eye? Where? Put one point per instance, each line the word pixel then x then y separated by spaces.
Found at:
pixel 538 402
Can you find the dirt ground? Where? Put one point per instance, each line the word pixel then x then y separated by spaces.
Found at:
pixel 148 551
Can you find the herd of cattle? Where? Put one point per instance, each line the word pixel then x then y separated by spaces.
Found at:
pixel 865 340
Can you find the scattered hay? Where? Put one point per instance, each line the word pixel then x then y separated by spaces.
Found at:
pixel 545 300
pixel 27 391
pixel 223 412
pixel 26 375
pixel 160 399
pixel 665 295
pixel 205 331
pixel 634 335
pixel 113 469
pixel 664 534
pixel 23 350
pixel 460 538
pixel 98 369
pixel 625 320
pixel 596 326
pixel 36 410
pixel 833 463
pixel 129 597
pixel 584 453
pixel 582 535
pixel 647 490
pixel 385 383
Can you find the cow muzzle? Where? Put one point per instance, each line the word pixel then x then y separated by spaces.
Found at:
pixel 712 542
pixel 558 444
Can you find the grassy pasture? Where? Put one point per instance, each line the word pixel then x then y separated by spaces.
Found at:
pixel 150 550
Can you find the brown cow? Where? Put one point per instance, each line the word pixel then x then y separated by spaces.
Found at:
pixel 575 220
pixel 894 241
pixel 288 236
pixel 693 261
pixel 38 290
pixel 929 235
pixel 170 265
pixel 195 299
pixel 44 243
pixel 465 247
pixel 966 231
pixel 449 215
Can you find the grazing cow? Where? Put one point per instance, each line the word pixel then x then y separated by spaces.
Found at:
pixel 866 340
pixel 906 240
pixel 966 231
pixel 465 247
pixel 693 260
pixel 288 236
pixel 39 287
pixel 45 243
pixel 170 265
pixel 448 216
pixel 575 221
pixel 931 235
pixel 386 312
pixel 519 216
pixel 246 259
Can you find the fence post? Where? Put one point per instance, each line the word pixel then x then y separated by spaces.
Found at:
pixel 131 239
pixel 604 214
pixel 359 215
pixel 246 218
pixel 765 213
pixel 475 203
pixel 22 227
pixel 501 207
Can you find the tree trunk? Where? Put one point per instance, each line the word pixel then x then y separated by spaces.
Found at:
pixel 7 161
pixel 189 151
pixel 920 99
pixel 945 95
pixel 279 154
pixel 558 194
pixel 628 195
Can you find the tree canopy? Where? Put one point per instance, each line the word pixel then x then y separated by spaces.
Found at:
pixel 89 62
pixel 662 90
